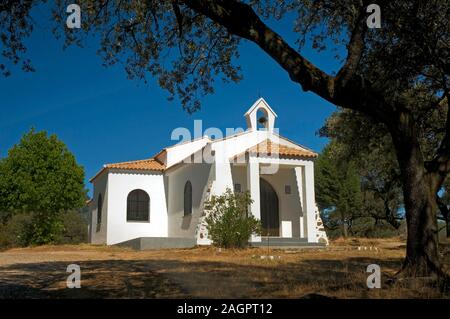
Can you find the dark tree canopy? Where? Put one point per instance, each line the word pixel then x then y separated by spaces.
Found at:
pixel 183 49
pixel 338 191
pixel 188 44
pixel 15 25
pixel 370 146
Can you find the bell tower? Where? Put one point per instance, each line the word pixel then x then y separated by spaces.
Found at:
pixel 260 116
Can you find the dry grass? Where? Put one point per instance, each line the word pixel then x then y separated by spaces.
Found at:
pixel 113 272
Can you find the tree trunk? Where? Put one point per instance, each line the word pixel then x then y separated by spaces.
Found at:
pixel 447 221
pixel 447 225
pixel 344 228
pixel 422 258
pixel 419 191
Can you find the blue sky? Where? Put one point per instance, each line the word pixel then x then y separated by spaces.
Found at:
pixel 103 117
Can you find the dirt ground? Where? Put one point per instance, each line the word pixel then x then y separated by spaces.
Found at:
pixel 113 272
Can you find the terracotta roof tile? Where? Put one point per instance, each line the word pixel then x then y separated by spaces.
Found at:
pixel 267 148
pixel 148 164
pixel 270 148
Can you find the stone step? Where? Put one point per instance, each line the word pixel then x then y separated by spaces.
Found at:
pixel 284 239
pixel 279 242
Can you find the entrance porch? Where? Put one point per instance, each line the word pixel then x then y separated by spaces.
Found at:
pixel 283 193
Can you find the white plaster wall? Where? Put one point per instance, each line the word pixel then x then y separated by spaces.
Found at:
pixel 226 149
pixel 299 176
pixel 239 174
pixel 197 173
pixel 254 189
pixel 178 153
pixel 120 184
pixel 310 202
pixel 100 187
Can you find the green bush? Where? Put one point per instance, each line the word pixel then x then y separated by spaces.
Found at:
pixel 366 227
pixel 24 229
pixel 15 231
pixel 228 222
pixel 62 228
pixel 45 228
pixel 75 229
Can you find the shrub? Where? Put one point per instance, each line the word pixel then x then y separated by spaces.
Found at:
pixel 367 227
pixel 228 222
pixel 24 229
pixel 15 231
pixel 75 229
pixel 62 228
pixel 45 228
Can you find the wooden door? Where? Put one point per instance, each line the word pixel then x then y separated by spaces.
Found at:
pixel 270 218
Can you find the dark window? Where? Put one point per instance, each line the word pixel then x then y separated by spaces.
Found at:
pixel 237 188
pixel 99 211
pixel 287 189
pixel 188 198
pixel 138 206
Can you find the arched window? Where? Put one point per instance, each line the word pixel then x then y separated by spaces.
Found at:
pixel 99 211
pixel 138 206
pixel 187 198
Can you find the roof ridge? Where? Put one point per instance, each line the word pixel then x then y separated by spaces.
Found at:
pixel 295 143
pixel 269 147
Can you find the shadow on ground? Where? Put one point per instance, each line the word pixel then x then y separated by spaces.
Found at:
pixel 164 278
pixel 99 279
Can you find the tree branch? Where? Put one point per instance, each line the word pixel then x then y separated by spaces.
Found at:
pixel 354 93
pixel 240 19
pixel 355 48
pixel 440 164
pixel 179 16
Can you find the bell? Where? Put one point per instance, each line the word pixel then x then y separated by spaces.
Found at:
pixel 262 120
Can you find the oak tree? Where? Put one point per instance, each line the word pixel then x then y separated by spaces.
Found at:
pixel 187 44
pixel 40 176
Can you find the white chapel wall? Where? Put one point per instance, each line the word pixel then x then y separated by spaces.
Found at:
pixel 100 187
pixel 197 173
pixel 120 185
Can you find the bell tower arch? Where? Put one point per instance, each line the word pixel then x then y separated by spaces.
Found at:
pixel 260 116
